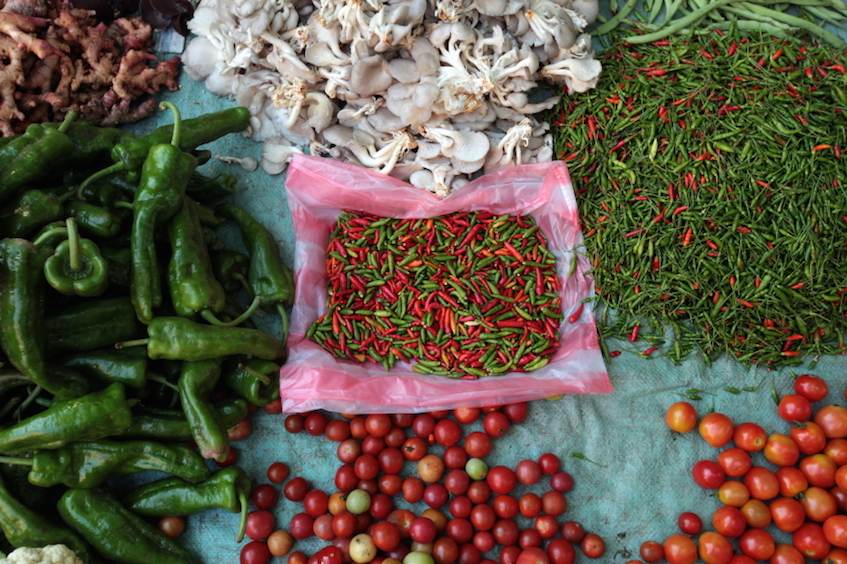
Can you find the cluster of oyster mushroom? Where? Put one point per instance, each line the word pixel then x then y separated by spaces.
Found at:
pixel 429 91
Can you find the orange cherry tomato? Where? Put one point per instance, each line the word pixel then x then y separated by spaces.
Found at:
pixel 680 549
pixel 735 462
pixel 681 417
pixel 781 450
pixel 757 514
pixel 833 420
pixel 835 530
pixel 819 470
pixel 716 429
pixel 791 481
pixel 714 548
pixel 762 483
pixel 733 493
pixel 787 514
pixel 818 504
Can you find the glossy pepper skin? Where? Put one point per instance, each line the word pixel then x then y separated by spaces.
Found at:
pixel 77 268
pixel 115 532
pixel 172 425
pixel 93 220
pixel 24 527
pixel 94 416
pixel 110 365
pixel 254 379
pixel 228 489
pixel 120 268
pixel 192 285
pixel 179 338
pixel 22 322
pixel 12 380
pixel 159 197
pixel 205 189
pixel 27 212
pixel 24 160
pixel 194 132
pixel 89 464
pixel 91 324
pixel 196 382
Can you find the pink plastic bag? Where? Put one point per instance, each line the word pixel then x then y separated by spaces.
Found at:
pixel 319 189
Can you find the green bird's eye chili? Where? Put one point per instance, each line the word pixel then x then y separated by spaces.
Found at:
pixel 712 196
pixel 464 295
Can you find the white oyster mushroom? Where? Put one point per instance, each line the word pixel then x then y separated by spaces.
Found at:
pixel 404 70
pixel 578 75
pixel 497 8
pixel 588 9
pixel 276 152
pixel 199 58
pixel 507 152
pixel 285 60
pixel 467 146
pixel 384 120
pixel 370 76
pixel 385 158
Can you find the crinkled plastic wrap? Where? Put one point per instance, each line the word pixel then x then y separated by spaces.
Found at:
pixel 312 378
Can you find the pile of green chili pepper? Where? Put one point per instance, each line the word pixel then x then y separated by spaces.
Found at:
pixel 709 173
pixel 108 242
pixel 464 295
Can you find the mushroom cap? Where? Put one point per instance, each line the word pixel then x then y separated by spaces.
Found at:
pixel 370 76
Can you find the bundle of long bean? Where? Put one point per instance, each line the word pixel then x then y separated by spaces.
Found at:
pixel 656 20
pixel 709 178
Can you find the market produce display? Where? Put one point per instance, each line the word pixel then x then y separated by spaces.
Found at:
pixel 709 176
pixel 464 295
pixel 427 91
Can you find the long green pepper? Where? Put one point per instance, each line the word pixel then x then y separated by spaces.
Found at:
pixel 161 189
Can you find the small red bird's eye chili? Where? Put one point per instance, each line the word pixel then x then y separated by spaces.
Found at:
pixel 463 295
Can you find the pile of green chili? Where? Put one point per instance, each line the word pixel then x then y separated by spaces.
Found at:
pixel 108 242
pixel 464 295
pixel 709 175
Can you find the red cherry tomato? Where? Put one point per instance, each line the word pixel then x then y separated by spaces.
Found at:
pixel 255 552
pixel 680 549
pixel 810 540
pixel 689 523
pixel 708 474
pixel 811 387
pixel 749 437
pixel 714 548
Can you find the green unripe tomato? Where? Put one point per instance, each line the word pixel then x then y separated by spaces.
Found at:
pixel 358 502
pixel 476 468
pixel 418 557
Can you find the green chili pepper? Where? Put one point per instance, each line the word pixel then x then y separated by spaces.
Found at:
pixel 270 279
pixel 89 464
pixel 110 365
pixel 90 417
pixel 231 268
pixel 91 324
pixel 27 212
pixel 77 268
pixel 51 234
pixel 172 425
pixel 193 287
pixel 179 338
pixel 94 220
pixel 22 323
pixel 228 489
pixel 205 189
pixel 24 527
pixel 195 132
pixel 159 196
pixel 255 380
pixel 196 382
pixel 92 143
pixel 33 155
pixel 116 532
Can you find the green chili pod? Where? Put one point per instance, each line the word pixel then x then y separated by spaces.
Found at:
pixel 91 324
pixel 22 322
pixel 255 380
pixel 228 489
pixel 196 382
pixel 94 416
pixel 29 211
pixel 24 527
pixel 172 425
pixel 116 532
pixel 110 365
pixel 89 464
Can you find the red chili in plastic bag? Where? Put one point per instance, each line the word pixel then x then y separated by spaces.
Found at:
pixel 464 294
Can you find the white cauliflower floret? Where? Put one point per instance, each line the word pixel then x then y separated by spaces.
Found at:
pixel 50 554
